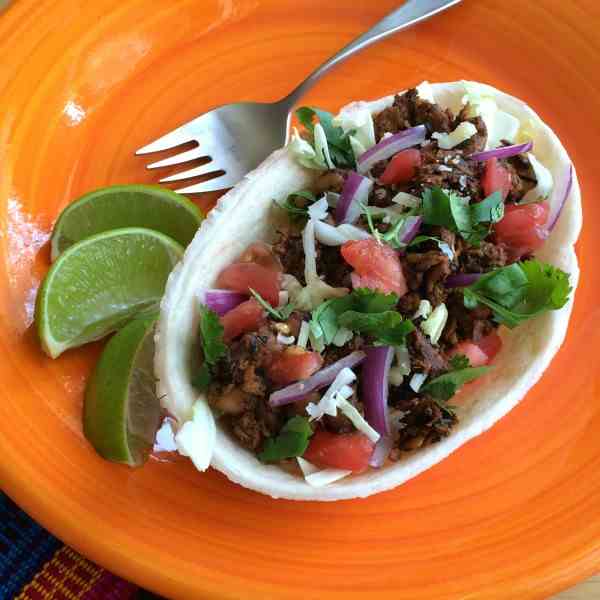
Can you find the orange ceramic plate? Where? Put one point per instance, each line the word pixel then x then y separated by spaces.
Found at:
pixel 514 514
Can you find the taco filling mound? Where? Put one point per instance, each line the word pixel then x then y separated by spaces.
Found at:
pixel 374 295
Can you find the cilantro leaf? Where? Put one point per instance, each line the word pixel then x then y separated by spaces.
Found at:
pixel 291 206
pixel 370 221
pixel 446 385
pixel 280 314
pixel 454 212
pixel 203 378
pixel 386 327
pixel 520 291
pixel 338 142
pixel 211 335
pixel 325 318
pixel 291 441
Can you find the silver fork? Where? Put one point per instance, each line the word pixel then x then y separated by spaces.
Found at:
pixel 238 137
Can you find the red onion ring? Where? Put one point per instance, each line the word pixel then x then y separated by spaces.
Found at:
pixel 503 152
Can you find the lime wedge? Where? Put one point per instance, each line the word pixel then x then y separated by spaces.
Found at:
pixel 100 283
pixel 121 411
pixel 117 206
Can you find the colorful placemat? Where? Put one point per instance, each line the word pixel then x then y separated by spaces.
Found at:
pixel 34 565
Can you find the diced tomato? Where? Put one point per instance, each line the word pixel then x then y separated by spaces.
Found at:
pixel 402 167
pixel 522 228
pixel 247 316
pixel 261 254
pixel 241 276
pixel 479 353
pixel 377 266
pixel 495 178
pixel 350 451
pixel 292 364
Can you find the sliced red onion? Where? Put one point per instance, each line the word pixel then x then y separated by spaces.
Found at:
pixel 355 192
pixel 374 386
pixel 221 301
pixel 462 279
pixel 503 152
pixel 324 377
pixel 562 189
pixel 381 451
pixel 409 229
pixel 389 146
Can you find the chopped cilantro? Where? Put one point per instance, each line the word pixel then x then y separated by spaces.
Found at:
pixel 454 212
pixel 520 291
pixel 362 310
pixel 291 441
pixel 280 314
pixel 370 222
pixel 446 385
pixel 211 335
pixel 338 142
pixel 213 348
pixel 386 327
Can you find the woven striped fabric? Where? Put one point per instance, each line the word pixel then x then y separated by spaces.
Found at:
pixel 34 565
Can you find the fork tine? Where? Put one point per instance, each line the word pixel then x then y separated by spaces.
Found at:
pixel 172 139
pixel 212 185
pixel 177 159
pixel 201 170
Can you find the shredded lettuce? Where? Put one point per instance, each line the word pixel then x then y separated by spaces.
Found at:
pixel 357 124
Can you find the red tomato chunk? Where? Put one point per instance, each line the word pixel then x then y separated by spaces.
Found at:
pixel 495 178
pixel 247 316
pixel 377 266
pixel 402 167
pixel 522 228
pixel 479 353
pixel 293 364
pixel 242 276
pixel 350 451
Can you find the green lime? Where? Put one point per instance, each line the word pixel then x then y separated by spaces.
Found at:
pixel 118 206
pixel 100 283
pixel 121 411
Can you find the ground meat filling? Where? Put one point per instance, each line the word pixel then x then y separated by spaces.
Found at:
pixel 240 387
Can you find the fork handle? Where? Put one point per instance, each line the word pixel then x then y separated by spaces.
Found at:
pixel 408 14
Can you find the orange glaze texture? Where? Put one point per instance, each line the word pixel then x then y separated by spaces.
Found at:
pixel 514 514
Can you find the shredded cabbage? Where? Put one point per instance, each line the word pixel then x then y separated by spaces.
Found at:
pixel 303 334
pixel 434 325
pixel 322 146
pixel 304 153
pixel 339 389
pixel 545 182
pixel 359 121
pixel 463 132
pixel 401 367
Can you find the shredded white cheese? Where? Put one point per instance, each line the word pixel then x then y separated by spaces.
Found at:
pixel 286 340
pixel 434 325
pixel 303 334
pixel 328 405
pixel 447 141
pixel 417 381
pixel 424 309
